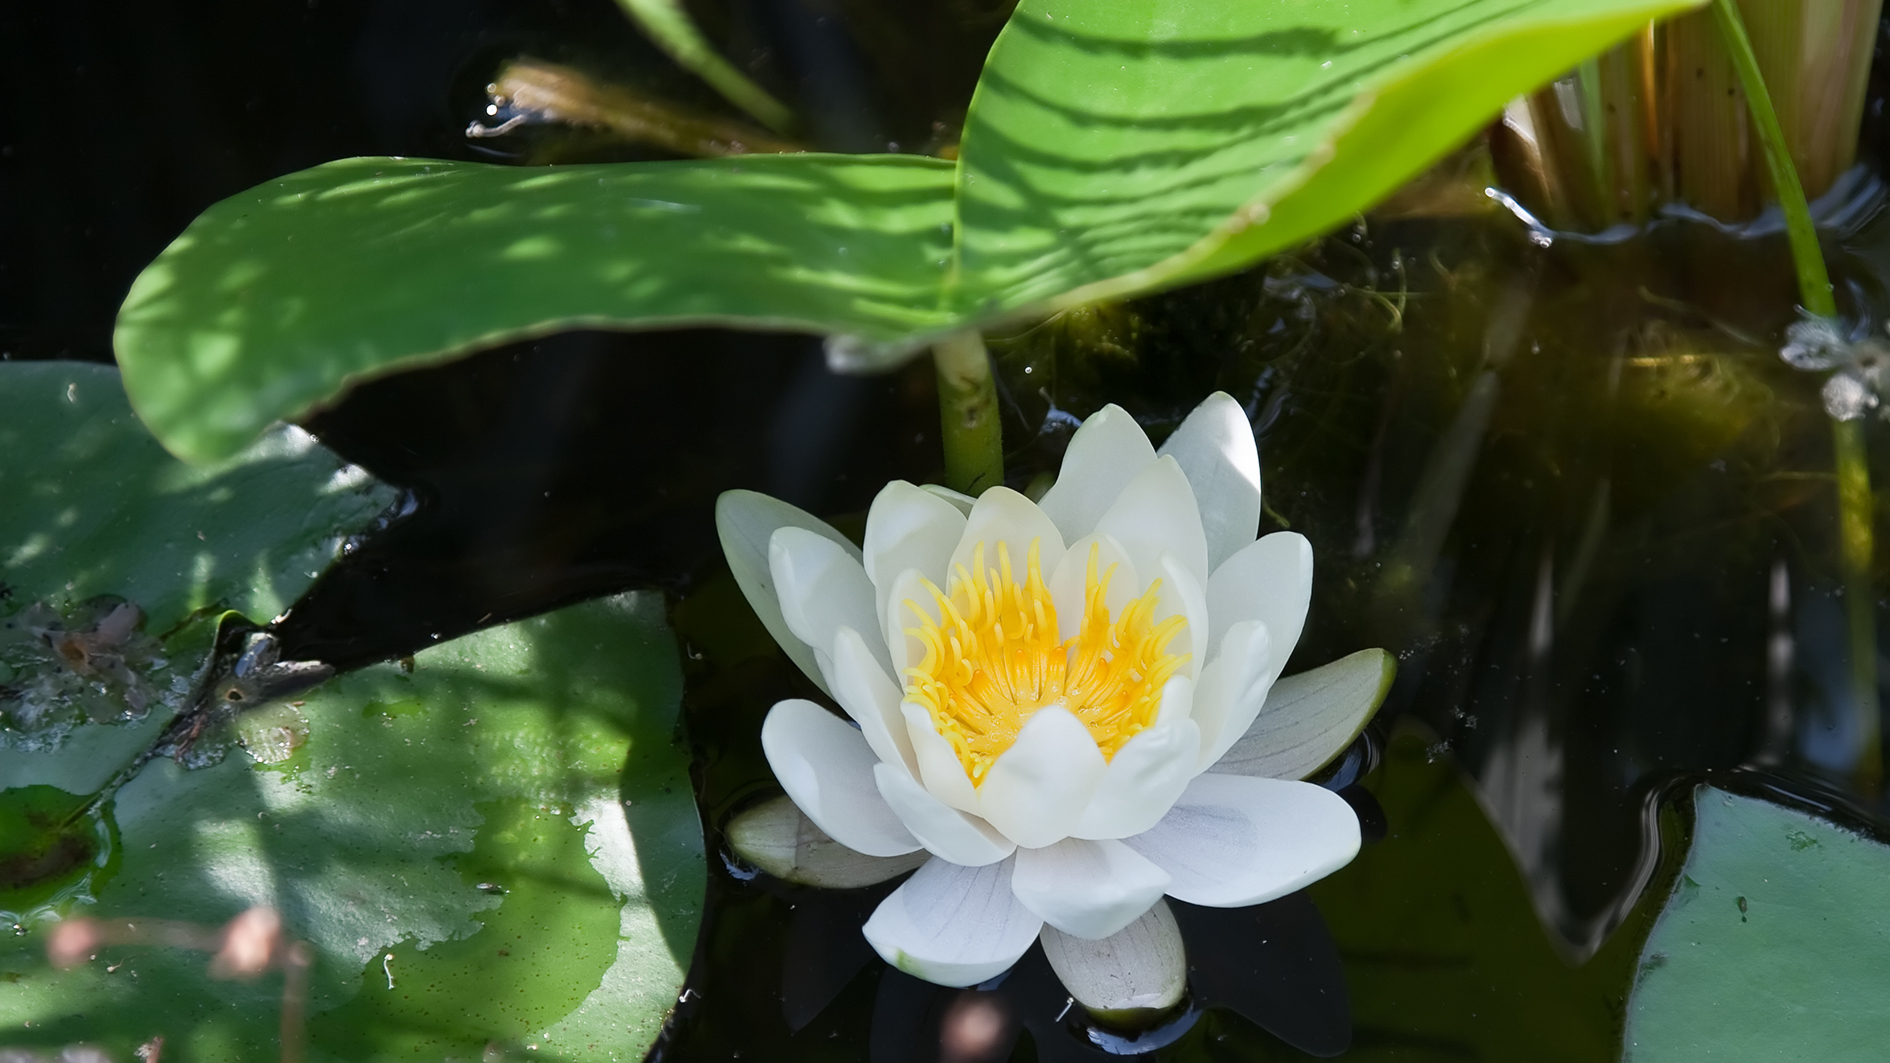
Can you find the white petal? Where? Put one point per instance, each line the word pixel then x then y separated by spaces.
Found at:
pixel 1106 452
pixel 1233 689
pixel 779 839
pixel 1269 581
pixel 1155 515
pixel 1036 790
pixel 1070 581
pixel 939 767
pixel 1232 840
pixel 1004 516
pixel 1216 450
pixel 908 528
pixel 1148 773
pixel 868 695
pixel 959 499
pixel 1142 966
pixel 1311 717
pixel 745 521
pixel 1088 889
pixel 827 768
pixel 953 926
pixel 1183 594
pixel 906 590
pixel 944 831
pixel 822 589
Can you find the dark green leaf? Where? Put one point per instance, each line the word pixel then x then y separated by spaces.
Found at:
pixel 1445 957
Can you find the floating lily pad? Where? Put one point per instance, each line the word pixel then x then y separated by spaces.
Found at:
pixel 115 558
pixel 495 855
pixel 1773 945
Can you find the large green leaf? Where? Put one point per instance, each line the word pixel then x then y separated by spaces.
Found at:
pixel 1119 146
pixel 1772 946
pixel 1112 147
pixel 95 514
pixel 498 848
pixel 278 299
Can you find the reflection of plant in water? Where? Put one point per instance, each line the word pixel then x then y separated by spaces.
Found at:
pixel 1083 728
pixel 245 948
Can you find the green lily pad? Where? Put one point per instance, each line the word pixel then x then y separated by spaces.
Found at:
pixel 495 854
pixel 1112 147
pixel 117 559
pixel 1772 945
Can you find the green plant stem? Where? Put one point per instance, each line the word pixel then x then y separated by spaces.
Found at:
pixel 1814 284
pixel 669 26
pixel 1855 530
pixel 968 421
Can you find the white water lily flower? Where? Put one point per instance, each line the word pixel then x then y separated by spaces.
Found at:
pixel 1066 703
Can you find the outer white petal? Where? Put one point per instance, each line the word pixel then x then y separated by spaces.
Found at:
pixel 959 499
pixel 953 926
pixel 745 521
pixel 1088 889
pixel 1183 594
pixel 1106 452
pixel 827 768
pixel 1155 515
pixel 1036 790
pixel 1070 581
pixel 1148 773
pixel 1311 717
pixel 822 589
pixel 780 839
pixel 906 587
pixel 908 528
pixel 944 831
pixel 1004 516
pixel 1216 450
pixel 939 768
pixel 868 695
pixel 1143 966
pixel 1233 840
pixel 1233 688
pixel 1269 581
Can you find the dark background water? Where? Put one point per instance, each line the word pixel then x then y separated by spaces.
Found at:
pixel 1632 581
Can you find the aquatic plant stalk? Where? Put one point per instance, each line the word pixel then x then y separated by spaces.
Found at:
pixel 969 428
pixel 530 90
pixel 666 23
pixel 1855 533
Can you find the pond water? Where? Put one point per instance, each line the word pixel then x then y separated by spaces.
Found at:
pixel 1570 484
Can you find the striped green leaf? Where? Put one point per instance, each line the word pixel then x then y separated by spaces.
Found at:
pixel 1112 147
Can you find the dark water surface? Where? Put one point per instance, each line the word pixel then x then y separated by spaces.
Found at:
pixel 1572 488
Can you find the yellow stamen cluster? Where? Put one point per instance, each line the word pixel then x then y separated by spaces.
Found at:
pixel 993 659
